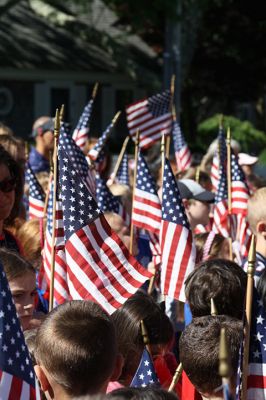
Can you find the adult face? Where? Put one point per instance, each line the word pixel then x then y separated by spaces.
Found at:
pixel 48 140
pixel 7 192
pixel 23 290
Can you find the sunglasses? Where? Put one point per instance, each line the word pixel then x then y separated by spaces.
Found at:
pixel 8 185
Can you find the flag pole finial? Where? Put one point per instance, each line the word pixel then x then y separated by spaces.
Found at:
pixel 95 90
pixel 176 377
pixel 62 112
pixel 117 115
pixel 214 310
pixel 145 337
pixel 224 365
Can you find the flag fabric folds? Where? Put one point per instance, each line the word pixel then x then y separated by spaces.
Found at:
pixel 151 117
pixel 80 133
pixel 177 247
pixel 17 378
pixel 145 374
pixel 100 267
pixel 78 159
pixel 36 195
pixel 122 175
pixel 182 153
pixel 61 292
pixel 146 204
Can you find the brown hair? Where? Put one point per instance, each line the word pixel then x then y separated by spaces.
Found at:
pixel 216 246
pixel 221 280
pixel 76 344
pixel 14 265
pixel 199 350
pixel 29 236
pixel 127 323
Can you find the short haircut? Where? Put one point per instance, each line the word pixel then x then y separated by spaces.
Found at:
pixel 29 236
pixel 221 280
pixel 14 265
pixel 199 349
pixel 127 319
pixel 257 208
pixel 76 344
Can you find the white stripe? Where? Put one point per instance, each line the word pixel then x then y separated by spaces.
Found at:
pixel 153 124
pixel 134 107
pixel 148 196
pixel 165 251
pixel 149 209
pixel 142 115
pixel 256 394
pixel 25 391
pixel 257 369
pixel 5 385
pixel 145 220
pixel 189 269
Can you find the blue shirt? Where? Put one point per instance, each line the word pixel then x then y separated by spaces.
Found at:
pixel 38 162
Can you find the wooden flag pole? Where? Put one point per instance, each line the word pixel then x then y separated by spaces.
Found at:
pixel 133 191
pixel 162 155
pixel 225 368
pixel 176 377
pixel 62 113
pixel 56 135
pixel 117 115
pixel 145 337
pixel 172 110
pixel 249 298
pixel 229 189
pixel 95 90
pixel 50 178
pixel 119 159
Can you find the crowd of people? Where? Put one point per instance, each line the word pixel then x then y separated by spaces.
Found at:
pixel 77 349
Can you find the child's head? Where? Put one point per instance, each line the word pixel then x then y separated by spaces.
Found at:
pixel 29 236
pixel 221 280
pixel 257 212
pixel 130 342
pixel 210 245
pixel 199 351
pixel 22 282
pixel 75 350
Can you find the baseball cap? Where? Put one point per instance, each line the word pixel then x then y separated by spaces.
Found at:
pixel 246 159
pixel 190 189
pixel 41 129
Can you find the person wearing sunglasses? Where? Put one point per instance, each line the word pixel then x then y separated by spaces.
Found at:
pixel 11 190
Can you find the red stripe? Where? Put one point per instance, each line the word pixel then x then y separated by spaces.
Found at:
pixel 183 264
pixel 15 388
pixel 156 127
pixel 256 382
pixel 134 104
pixel 171 256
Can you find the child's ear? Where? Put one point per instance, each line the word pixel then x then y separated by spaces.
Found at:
pixel 186 203
pixel 42 378
pixel 118 368
pixel 261 228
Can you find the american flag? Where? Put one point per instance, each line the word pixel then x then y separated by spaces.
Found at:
pixel 221 148
pixel 96 150
pixel 256 375
pixel 145 374
pixel 220 212
pixel 80 133
pixel 100 267
pixel 151 117
pixel 146 206
pixel 155 249
pixel 36 195
pixel 78 159
pixel 122 175
pixel 17 379
pixel 107 201
pixel 182 153
pixel 61 293
pixel 178 250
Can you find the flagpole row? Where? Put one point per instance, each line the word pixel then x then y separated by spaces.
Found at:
pixel 119 159
pixel 133 191
pixel 249 298
pixel 55 168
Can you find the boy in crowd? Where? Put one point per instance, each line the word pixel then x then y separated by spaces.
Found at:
pixel 257 221
pixel 76 351
pixel 199 352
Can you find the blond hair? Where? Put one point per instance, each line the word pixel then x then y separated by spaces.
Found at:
pixel 257 208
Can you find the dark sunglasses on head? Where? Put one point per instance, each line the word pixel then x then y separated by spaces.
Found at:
pixel 8 185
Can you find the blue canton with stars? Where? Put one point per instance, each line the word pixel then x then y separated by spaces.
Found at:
pixel 237 172
pixel 102 140
pixel 221 193
pixel 75 154
pixel 159 104
pixel 14 358
pixel 35 189
pixel 145 375
pixel 257 351
pixel 172 206
pixel 144 179
pixel 79 207
pixel 105 199
pixel 122 173
pixel 178 138
pixel 85 116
